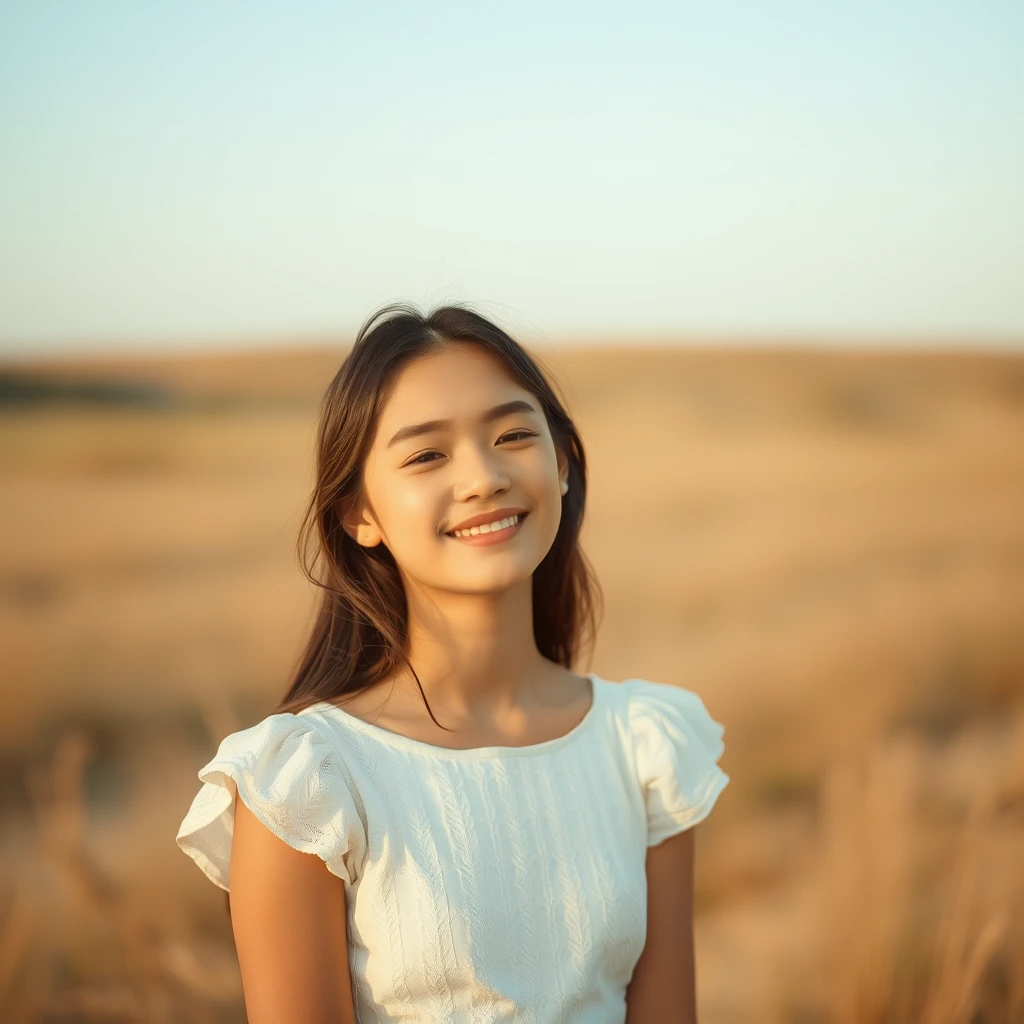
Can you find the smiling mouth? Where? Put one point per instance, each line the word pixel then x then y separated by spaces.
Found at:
pixel 504 532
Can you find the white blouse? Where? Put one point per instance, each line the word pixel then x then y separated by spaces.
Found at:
pixel 488 884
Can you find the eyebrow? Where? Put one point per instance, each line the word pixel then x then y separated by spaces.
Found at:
pixel 496 413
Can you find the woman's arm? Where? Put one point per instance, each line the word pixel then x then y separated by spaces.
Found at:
pixel 663 988
pixel 288 918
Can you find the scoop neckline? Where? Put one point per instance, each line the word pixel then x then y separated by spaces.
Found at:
pixel 494 751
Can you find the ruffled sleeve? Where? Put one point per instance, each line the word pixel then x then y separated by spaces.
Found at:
pixel 676 744
pixel 293 779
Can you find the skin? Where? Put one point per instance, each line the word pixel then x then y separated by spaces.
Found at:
pixel 290 929
pixel 470 608
pixel 663 986
pixel 471 641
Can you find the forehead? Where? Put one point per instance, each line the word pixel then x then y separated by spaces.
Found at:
pixel 458 382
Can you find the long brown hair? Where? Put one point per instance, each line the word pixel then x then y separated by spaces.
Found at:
pixel 360 631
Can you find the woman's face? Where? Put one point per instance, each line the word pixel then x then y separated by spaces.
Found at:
pixel 423 478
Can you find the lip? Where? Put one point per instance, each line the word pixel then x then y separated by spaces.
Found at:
pixel 487 517
pixel 487 539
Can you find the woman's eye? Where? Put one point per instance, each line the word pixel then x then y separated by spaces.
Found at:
pixel 514 433
pixel 511 435
pixel 417 461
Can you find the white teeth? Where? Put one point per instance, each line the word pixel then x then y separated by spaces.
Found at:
pixel 499 524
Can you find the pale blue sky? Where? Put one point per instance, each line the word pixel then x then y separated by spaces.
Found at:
pixel 211 173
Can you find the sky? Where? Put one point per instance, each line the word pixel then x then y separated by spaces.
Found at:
pixel 209 174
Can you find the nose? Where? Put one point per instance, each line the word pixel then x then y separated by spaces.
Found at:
pixel 479 473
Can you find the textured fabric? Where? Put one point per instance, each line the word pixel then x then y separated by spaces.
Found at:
pixel 485 885
pixel 675 740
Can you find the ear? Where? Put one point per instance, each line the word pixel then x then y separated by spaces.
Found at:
pixel 563 469
pixel 357 522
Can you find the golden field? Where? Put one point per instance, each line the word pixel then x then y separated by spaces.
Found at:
pixel 827 546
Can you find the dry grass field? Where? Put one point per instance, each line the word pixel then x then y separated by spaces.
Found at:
pixel 828 547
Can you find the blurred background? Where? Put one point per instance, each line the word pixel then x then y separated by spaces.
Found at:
pixel 772 256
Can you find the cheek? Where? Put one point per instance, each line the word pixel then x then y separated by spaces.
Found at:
pixel 412 508
pixel 537 465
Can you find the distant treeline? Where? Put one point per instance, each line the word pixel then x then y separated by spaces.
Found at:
pixel 31 389
pixel 43 389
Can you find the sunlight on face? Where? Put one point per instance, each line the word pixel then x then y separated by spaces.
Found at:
pixel 420 483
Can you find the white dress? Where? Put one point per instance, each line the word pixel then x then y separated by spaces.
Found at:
pixel 489 884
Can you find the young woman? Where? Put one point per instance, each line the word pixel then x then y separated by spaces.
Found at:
pixel 442 821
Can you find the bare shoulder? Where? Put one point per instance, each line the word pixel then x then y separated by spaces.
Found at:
pixel 375 703
pixel 288 917
pixel 664 976
pixel 567 690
